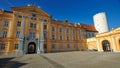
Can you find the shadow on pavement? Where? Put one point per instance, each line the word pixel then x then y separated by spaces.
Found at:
pixel 8 63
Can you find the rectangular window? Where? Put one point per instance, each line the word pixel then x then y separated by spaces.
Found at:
pixel 19 23
pixel 60 37
pixel 45 35
pixel 52 28
pixel 61 46
pixel 2 47
pixel 33 18
pixel 45 27
pixel 45 46
pixel 79 31
pixel 73 31
pixel 34 25
pixel 88 35
pixel 74 37
pixel 31 25
pixel 16 46
pixel 67 37
pixel 33 15
pixel 68 46
pixel 53 37
pixel 93 34
pixel 32 34
pixel 4 34
pixel 45 20
pixel 5 23
pixel 60 29
pixel 19 16
pixel 67 30
pixel 75 46
pixel 17 34
pixel 53 46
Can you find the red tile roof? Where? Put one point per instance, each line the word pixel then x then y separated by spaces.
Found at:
pixel 89 27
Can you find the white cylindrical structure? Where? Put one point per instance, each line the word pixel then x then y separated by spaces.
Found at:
pixel 100 22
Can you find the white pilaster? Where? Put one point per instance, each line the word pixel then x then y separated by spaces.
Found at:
pixel 21 38
pixel 10 28
pixel 41 39
pixel 38 49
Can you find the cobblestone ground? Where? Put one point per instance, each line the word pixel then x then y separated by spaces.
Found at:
pixel 76 59
pixel 26 61
pixel 86 59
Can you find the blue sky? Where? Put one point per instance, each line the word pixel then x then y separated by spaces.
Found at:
pixel 81 11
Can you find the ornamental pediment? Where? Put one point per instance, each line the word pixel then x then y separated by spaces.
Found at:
pixel 31 9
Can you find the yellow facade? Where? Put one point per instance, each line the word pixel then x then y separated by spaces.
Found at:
pixel 91 42
pixel 108 41
pixel 30 28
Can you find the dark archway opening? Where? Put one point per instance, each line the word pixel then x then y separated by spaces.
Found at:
pixel 119 44
pixel 31 48
pixel 106 46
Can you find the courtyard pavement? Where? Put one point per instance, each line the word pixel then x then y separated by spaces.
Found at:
pixel 75 59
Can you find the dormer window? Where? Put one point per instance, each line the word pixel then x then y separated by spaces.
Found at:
pixel 33 15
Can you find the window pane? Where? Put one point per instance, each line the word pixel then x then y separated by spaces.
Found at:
pixel 4 34
pixel 60 37
pixel 18 23
pixel 34 25
pixel 3 47
pixel 45 35
pixel 17 34
pixel 16 46
pixel 60 29
pixel 45 27
pixel 61 46
pixel 53 28
pixel 31 25
pixel 67 37
pixel 53 37
pixel 75 46
pixel 53 46
pixel 5 23
pixel 68 46
pixel 73 31
pixel 67 30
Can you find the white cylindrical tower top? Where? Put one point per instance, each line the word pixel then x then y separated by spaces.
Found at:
pixel 100 22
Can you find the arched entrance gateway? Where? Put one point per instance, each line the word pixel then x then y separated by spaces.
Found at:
pixel 119 44
pixel 106 45
pixel 31 48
